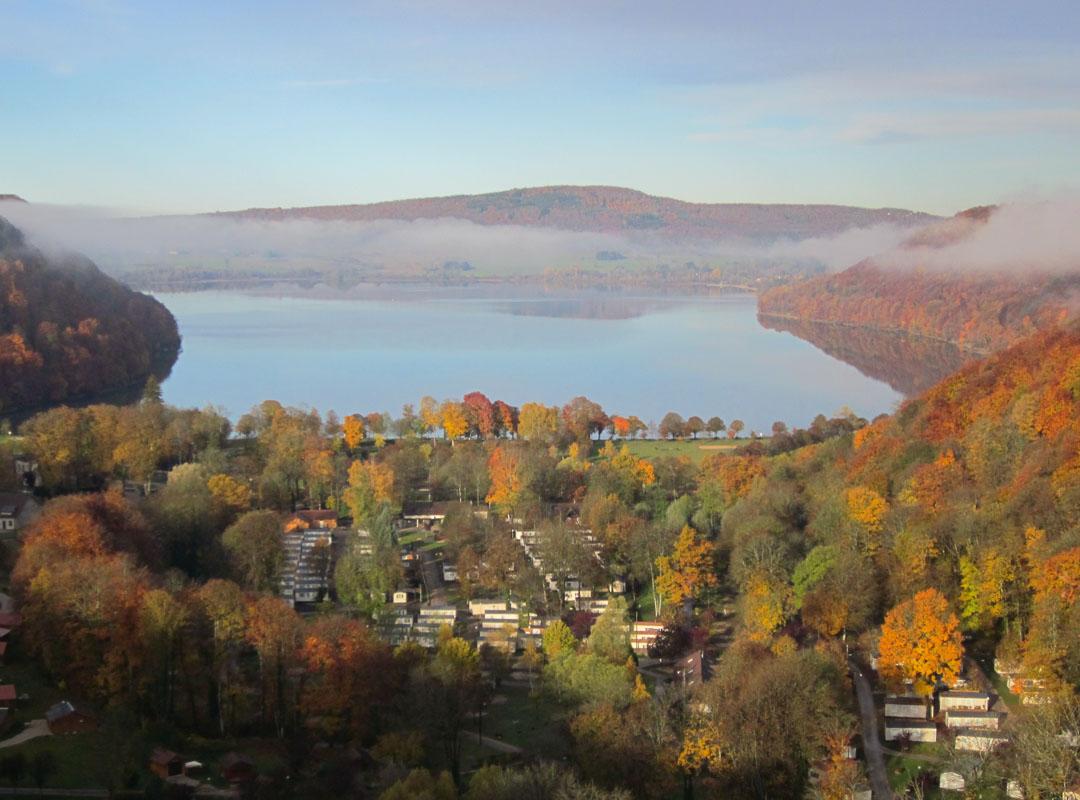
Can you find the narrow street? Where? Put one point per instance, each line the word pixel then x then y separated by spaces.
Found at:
pixel 875 757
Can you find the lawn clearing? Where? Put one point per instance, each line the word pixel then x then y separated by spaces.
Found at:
pixel 695 449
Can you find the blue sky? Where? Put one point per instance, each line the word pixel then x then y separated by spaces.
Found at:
pixel 201 106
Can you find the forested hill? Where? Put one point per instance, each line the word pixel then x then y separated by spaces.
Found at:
pixel 609 209
pixel 972 489
pixel 979 311
pixel 67 331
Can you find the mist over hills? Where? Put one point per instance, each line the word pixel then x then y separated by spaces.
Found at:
pixel 982 280
pixel 612 209
pixel 565 235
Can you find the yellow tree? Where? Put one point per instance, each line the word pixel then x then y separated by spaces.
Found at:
pixel 371 488
pixel 353 428
pixel 429 413
pixel 867 508
pixel 453 420
pixel 229 493
pixel 688 571
pixel 767 603
pixel 537 422
pixel 920 642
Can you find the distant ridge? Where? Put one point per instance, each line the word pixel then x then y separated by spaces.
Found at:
pixel 11 198
pixel 610 209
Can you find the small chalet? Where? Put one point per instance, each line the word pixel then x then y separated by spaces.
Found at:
pixel 165 763
pixel 643 636
pixel 692 670
pixel 968 701
pixel 976 741
pixel 951 782
pixel 984 720
pixel 237 768
pixel 312 519
pixel 905 707
pixel 916 730
pixel 17 510
pixel 65 717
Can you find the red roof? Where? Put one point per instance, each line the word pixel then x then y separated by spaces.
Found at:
pixel 7 692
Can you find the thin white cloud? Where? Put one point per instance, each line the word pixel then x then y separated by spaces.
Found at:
pixel 888 127
pixel 329 83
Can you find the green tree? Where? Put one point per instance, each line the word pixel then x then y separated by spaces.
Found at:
pixel 610 635
pixel 256 553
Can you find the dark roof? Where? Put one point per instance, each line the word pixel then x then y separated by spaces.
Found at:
pixel 12 503
pixel 963 693
pixel 904 722
pixel 7 692
pixel 967 712
pixel 905 701
pixel 63 709
pixel 163 756
pixel 236 760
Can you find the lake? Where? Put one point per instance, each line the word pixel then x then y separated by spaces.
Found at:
pixel 640 354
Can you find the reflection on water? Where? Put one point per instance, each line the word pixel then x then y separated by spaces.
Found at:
pixel 910 365
pixel 635 354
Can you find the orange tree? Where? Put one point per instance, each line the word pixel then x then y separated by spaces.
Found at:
pixel 920 642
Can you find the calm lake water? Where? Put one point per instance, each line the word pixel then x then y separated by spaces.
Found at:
pixel 634 354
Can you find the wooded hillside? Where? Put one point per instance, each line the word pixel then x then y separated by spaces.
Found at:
pixel 979 311
pixel 68 331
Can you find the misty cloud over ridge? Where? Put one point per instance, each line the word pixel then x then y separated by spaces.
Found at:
pixel 128 243
pixel 1024 236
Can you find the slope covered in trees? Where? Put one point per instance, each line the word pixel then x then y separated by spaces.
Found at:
pixel 69 331
pixel 970 492
pixel 612 209
pixel 909 291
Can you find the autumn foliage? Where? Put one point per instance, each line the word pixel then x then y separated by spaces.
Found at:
pixel 67 330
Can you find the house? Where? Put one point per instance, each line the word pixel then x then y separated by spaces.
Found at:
pixel 237 768
pixel 951 782
pixel 917 730
pixel 311 519
pixel 449 573
pixel 692 670
pixel 64 717
pixel 26 470
pixel 969 701
pixel 405 596
pixel 643 636
pixel 906 707
pixel 17 510
pixel 979 741
pixel 430 621
pixel 984 720
pixel 8 695
pixel 165 763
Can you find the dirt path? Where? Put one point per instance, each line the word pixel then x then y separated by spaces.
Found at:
pixel 34 729
pixel 494 744
pixel 875 757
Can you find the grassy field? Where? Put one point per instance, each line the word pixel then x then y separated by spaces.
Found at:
pixel 526 722
pixel 695 449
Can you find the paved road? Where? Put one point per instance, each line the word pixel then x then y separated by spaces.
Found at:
pixel 875 758
pixel 34 728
